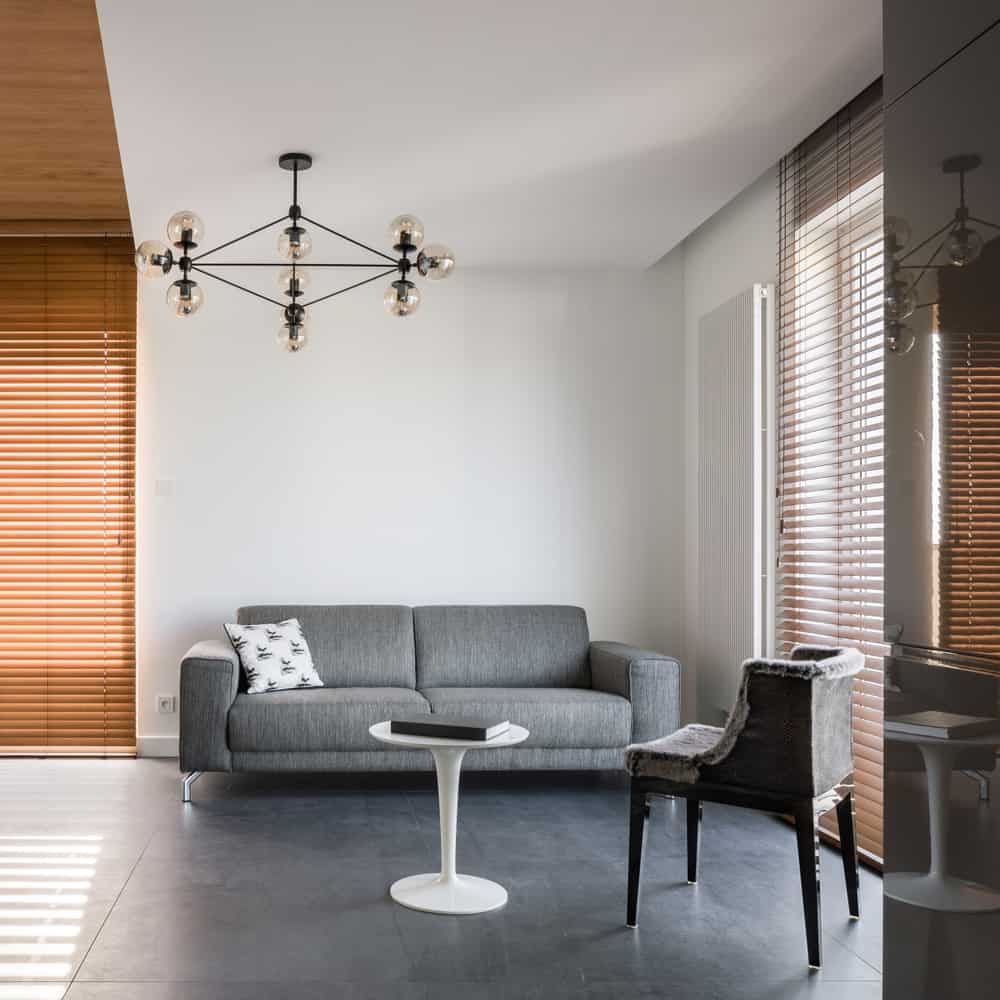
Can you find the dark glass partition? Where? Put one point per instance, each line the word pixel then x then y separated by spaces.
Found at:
pixel 942 513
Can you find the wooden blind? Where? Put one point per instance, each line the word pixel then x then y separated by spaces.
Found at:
pixel 830 416
pixel 967 364
pixel 67 455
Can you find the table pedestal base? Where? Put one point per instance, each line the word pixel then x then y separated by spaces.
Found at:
pixel 944 893
pixel 436 893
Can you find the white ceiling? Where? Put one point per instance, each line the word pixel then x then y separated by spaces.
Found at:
pixel 545 133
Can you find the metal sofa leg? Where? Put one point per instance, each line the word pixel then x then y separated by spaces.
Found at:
pixel 638 814
pixel 186 782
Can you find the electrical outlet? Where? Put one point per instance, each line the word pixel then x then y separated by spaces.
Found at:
pixel 166 704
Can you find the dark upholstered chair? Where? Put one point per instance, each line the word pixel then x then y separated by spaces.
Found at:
pixel 786 748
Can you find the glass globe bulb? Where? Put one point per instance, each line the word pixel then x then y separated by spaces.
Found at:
pixel 406 229
pixel 435 262
pixel 185 225
pixel 185 297
pixel 294 243
pixel 897 233
pixel 964 245
pixel 153 259
pixel 402 298
pixel 301 276
pixel 293 336
pixel 900 338
pixel 900 301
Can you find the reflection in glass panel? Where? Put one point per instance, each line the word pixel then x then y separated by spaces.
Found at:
pixel 968 483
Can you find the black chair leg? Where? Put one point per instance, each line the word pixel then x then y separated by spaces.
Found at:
pixel 638 813
pixel 849 852
pixel 694 836
pixel 807 838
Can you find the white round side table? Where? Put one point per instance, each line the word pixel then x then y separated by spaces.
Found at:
pixel 937 889
pixel 446 891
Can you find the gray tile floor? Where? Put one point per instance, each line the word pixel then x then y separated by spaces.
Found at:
pixel 276 887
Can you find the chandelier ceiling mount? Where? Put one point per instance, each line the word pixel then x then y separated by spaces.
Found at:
pixel 960 240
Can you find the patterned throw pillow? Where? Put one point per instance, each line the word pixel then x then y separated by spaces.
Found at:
pixel 274 657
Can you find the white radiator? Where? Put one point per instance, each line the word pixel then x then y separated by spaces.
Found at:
pixel 735 493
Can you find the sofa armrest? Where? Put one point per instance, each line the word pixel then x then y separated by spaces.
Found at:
pixel 650 681
pixel 210 675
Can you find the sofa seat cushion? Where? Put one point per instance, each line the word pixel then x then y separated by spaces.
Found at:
pixel 554 717
pixel 316 718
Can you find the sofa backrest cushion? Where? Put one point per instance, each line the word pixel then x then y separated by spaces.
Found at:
pixel 502 646
pixel 352 645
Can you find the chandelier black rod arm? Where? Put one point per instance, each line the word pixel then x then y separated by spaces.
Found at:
pixel 233 284
pixel 333 232
pixel 253 232
pixel 926 267
pixel 983 222
pixel 340 291
pixel 932 236
pixel 298 264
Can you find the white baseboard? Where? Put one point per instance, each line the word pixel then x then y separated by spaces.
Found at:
pixel 156 746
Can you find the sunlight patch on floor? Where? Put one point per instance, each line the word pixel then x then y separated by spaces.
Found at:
pixel 44 888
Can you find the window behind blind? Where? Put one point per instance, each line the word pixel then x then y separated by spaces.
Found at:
pixel 830 416
pixel 67 471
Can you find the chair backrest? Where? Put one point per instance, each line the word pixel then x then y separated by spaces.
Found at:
pixel 790 729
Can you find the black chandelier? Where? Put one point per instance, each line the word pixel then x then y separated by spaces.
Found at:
pixel 961 241
pixel 185 231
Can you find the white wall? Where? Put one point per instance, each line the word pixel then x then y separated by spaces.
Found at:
pixel 735 248
pixel 519 439
pixel 523 437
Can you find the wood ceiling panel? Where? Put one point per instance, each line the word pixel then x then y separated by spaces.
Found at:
pixel 59 153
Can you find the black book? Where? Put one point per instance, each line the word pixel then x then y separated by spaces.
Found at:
pixel 449 727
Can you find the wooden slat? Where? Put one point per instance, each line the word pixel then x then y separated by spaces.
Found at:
pixel 830 417
pixel 60 151
pixel 67 487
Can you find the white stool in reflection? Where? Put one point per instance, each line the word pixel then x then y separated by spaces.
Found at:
pixel 936 889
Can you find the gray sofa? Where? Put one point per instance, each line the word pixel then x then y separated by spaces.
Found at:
pixel 582 701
